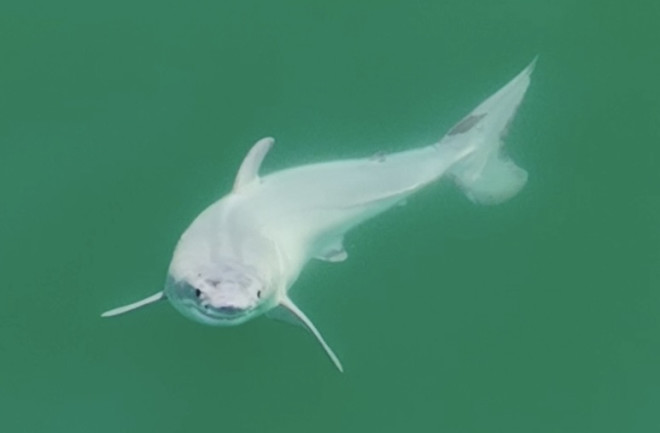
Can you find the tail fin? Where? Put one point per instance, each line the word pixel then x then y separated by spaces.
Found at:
pixel 486 175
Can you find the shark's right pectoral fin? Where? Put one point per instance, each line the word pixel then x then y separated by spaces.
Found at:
pixel 135 305
pixel 303 319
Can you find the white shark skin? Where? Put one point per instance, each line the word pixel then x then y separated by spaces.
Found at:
pixel 240 256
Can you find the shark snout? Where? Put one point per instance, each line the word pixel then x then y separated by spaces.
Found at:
pixel 226 298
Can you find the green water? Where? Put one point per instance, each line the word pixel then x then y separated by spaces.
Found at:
pixel 120 121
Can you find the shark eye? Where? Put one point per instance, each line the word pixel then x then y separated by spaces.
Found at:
pixel 258 293
pixel 198 293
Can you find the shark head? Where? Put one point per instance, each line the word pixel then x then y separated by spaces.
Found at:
pixel 224 295
pixel 221 295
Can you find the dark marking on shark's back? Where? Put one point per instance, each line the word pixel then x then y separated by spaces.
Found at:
pixel 466 124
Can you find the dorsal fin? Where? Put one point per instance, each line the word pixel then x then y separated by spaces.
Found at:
pixel 249 170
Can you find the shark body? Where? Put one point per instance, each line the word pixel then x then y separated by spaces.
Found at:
pixel 240 256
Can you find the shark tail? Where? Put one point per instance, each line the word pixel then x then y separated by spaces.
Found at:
pixel 486 174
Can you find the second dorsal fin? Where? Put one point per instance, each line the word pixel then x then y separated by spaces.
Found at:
pixel 249 170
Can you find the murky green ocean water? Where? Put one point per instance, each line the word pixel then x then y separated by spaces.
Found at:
pixel 121 121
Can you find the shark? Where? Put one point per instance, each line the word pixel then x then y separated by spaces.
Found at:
pixel 240 257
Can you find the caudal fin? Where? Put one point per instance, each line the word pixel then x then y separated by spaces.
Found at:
pixel 487 175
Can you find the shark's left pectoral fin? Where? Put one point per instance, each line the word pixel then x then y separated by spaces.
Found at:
pixel 249 170
pixel 302 318
pixel 135 305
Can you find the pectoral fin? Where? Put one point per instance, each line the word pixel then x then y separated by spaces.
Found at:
pixel 134 306
pixel 302 318
pixel 284 315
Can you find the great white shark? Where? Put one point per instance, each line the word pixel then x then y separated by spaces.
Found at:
pixel 240 256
